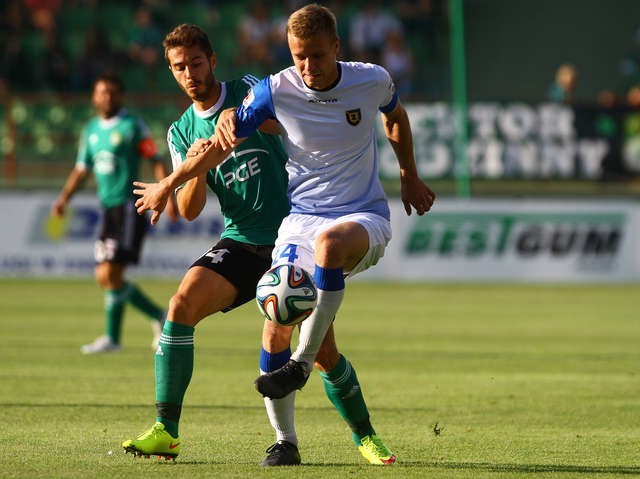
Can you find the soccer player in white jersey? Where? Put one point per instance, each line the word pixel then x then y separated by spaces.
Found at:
pixel 253 205
pixel 339 222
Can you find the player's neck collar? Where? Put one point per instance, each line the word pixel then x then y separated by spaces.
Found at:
pixel 333 85
pixel 216 106
pixel 112 120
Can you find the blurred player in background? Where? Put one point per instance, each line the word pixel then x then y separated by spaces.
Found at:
pixel 112 146
pixel 225 278
pixel 339 222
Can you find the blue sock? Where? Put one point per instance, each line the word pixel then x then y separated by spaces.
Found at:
pixel 272 361
pixel 329 279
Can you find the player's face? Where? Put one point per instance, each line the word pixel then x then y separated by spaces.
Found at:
pixel 107 98
pixel 315 59
pixel 194 72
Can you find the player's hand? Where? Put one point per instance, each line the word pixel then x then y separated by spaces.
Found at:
pixel 59 208
pixel 153 196
pixel 199 146
pixel 226 129
pixel 416 193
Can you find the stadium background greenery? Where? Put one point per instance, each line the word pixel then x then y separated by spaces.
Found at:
pixel 464 381
pixel 39 129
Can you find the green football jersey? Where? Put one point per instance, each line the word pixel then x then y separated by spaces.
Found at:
pixel 251 184
pixel 112 149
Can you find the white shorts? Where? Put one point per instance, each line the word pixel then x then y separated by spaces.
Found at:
pixel 297 235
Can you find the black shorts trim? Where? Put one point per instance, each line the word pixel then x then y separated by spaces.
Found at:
pixel 241 264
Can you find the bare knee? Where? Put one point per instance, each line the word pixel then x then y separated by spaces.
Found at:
pixel 329 245
pixel 182 310
pixel 102 278
pixel 110 275
pixel 342 246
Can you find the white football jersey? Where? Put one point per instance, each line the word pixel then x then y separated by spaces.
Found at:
pixel 329 136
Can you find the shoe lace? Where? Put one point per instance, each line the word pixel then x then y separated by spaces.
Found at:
pixel 295 369
pixel 374 444
pixel 276 447
pixel 154 431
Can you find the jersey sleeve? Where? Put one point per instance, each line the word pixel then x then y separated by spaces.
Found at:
pixel 178 146
pixel 387 90
pixel 83 158
pixel 255 109
pixel 147 147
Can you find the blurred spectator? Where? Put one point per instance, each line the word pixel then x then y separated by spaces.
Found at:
pixel 97 57
pixel 397 58
pixel 562 89
pixel 255 36
pixel 17 68
pixel 422 19
pixel 43 13
pixel 13 56
pixel 607 99
pixel 630 66
pixel 13 18
pixel 633 96
pixel 279 45
pixel 344 26
pixel 145 39
pixel 418 16
pixel 56 63
pixel 369 30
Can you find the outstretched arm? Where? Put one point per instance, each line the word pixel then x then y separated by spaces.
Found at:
pixel 192 196
pixel 154 196
pixel 160 171
pixel 413 190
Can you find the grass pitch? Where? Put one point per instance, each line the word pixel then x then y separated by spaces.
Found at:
pixel 462 381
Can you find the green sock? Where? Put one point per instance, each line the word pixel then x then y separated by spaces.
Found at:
pixel 114 302
pixel 343 390
pixel 174 366
pixel 142 302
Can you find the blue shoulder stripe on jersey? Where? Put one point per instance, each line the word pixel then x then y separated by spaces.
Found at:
pixel 391 105
pixel 257 107
pixel 250 79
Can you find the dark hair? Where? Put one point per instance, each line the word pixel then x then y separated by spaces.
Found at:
pixel 187 35
pixel 109 77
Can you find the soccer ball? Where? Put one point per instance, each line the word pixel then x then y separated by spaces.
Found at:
pixel 286 294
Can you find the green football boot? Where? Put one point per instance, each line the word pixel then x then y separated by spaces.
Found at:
pixel 374 450
pixel 154 442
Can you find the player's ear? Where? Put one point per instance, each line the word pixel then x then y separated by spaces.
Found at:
pixel 212 60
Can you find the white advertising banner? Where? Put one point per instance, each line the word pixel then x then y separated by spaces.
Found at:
pixel 515 240
pixel 35 244
pixel 475 240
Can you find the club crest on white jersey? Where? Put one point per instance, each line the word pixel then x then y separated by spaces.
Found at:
pixel 353 116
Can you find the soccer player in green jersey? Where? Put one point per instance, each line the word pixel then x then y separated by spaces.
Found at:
pixel 251 186
pixel 112 145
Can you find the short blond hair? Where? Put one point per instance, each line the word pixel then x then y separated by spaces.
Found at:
pixel 311 20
